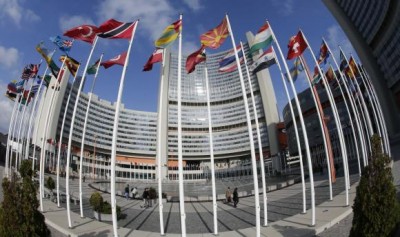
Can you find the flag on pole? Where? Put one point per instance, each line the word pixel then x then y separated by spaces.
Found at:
pixel 343 61
pixel 194 59
pixel 155 57
pixel 228 63
pixel 93 69
pixel 63 44
pixel 215 37
pixel 85 33
pixel 295 70
pixel 262 40
pixel 323 53
pixel 46 78
pixel 113 29
pixel 169 35
pixel 71 63
pixel 119 59
pixel 353 67
pixel 266 59
pixel 30 71
pixel 296 46
pixel 316 77
pixel 48 58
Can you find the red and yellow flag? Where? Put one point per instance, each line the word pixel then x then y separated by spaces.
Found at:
pixel 215 37
pixel 353 67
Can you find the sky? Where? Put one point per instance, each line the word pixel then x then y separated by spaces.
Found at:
pixel 25 23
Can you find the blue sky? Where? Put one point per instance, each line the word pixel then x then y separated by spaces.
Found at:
pixel 25 23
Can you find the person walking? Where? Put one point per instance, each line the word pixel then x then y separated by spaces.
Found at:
pixel 145 197
pixel 235 197
pixel 127 191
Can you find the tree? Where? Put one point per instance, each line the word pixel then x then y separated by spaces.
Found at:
pixel 376 209
pixel 50 184
pixel 19 215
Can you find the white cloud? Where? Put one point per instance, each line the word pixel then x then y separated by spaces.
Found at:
pixel 193 4
pixel 8 57
pixel 6 107
pixel 285 7
pixel 336 38
pixel 68 22
pixel 12 9
pixel 154 15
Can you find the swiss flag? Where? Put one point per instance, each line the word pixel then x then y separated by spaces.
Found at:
pixel 296 46
pixel 119 59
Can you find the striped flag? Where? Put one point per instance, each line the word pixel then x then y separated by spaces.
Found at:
pixel 264 61
pixel 113 29
pixel 228 63
pixel 215 37
pixel 262 40
pixel 169 35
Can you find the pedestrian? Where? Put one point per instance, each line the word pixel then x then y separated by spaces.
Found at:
pixel 84 177
pixel 134 192
pixel 127 191
pixel 235 197
pixel 228 195
pixel 145 197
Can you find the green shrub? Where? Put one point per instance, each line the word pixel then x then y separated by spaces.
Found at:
pixel 96 201
pixel 50 184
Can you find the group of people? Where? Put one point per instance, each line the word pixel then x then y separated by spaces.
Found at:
pixel 133 192
pixel 232 196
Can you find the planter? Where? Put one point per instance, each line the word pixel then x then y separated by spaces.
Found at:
pixel 102 216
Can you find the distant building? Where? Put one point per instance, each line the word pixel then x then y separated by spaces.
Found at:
pixel 373 27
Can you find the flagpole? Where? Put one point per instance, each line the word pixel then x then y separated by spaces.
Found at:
pixel 303 127
pixel 210 133
pixel 180 161
pixel 250 131
pixel 84 135
pixel 46 125
pixel 71 129
pixel 260 150
pixel 159 145
pixel 115 134
pixel 303 183
pixel 32 116
pixel 353 107
pixel 337 121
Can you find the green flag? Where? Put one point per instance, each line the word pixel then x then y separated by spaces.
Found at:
pixel 93 69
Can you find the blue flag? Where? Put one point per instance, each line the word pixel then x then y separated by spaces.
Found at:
pixel 63 44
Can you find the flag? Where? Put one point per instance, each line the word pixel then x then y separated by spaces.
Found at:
pixel 85 33
pixel 63 44
pixel 296 46
pixel 266 59
pixel 71 63
pixel 353 67
pixel 323 53
pixel 330 75
pixel 228 63
pixel 30 71
pixel 296 69
pixel 25 98
pixel 48 58
pixel 343 61
pixel 155 57
pixel 119 59
pixel 113 29
pixel 262 40
pixel 19 86
pixel 12 91
pixel 316 77
pixel 194 59
pixel 47 79
pixel 93 69
pixel 215 37
pixel 169 35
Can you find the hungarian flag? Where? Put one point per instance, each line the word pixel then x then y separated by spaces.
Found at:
pixel 71 63
pixel 169 35
pixel 264 61
pixel 215 37
pixel 262 40
pixel 228 63
pixel 194 59
pixel 113 29
pixel 323 53
pixel 63 44
pixel 296 46
pixel 93 69
pixel 85 33
pixel 154 58
pixel 119 59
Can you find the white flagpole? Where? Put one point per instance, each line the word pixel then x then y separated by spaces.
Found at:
pixel 250 131
pixel 303 127
pixel 84 135
pixel 44 138
pixel 159 145
pixel 210 133
pixel 32 116
pixel 115 134
pixel 353 107
pixel 180 161
pixel 337 120
pixel 71 130
pixel 260 150
pixel 303 183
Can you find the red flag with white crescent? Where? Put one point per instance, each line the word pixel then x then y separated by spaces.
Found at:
pixel 85 33
pixel 119 59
